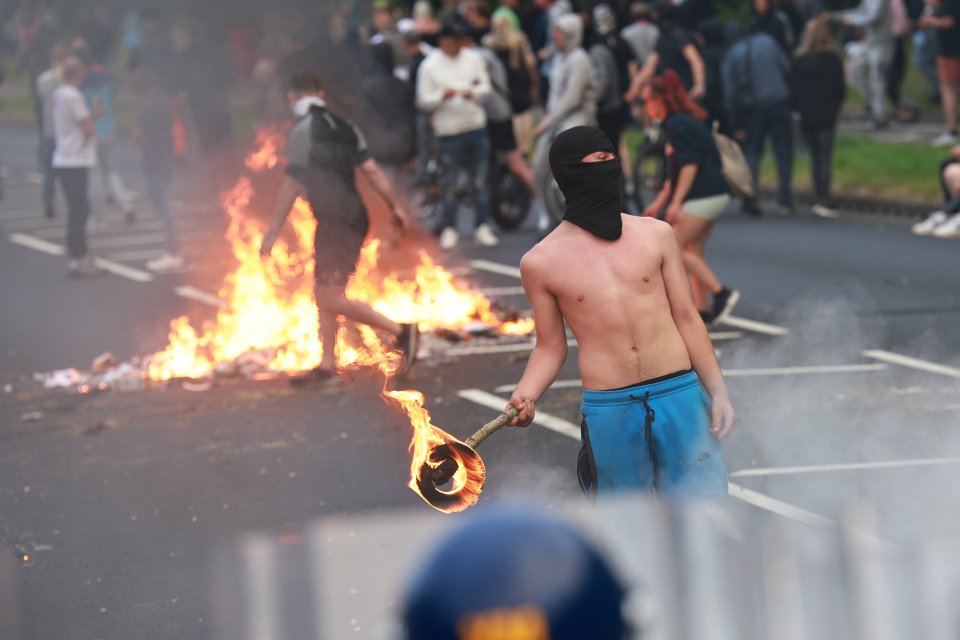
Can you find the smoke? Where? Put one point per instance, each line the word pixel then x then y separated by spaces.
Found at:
pixel 894 414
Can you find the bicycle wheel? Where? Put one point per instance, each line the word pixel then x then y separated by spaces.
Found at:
pixel 509 198
pixel 649 173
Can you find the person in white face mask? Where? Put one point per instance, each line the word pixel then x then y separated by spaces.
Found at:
pixel 323 152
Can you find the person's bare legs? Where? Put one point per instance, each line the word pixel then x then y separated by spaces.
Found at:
pixel 518 166
pixel 950 97
pixel 691 229
pixel 331 302
pixel 700 293
pixel 951 178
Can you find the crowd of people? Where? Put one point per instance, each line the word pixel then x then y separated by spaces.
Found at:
pixel 442 92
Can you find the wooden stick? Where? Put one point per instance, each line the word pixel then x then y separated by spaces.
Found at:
pixel 494 425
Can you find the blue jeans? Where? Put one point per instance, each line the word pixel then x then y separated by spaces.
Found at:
pixel 469 153
pixel 45 153
pixel 776 123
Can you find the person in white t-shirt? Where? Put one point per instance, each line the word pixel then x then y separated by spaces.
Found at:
pixel 74 155
pixel 452 83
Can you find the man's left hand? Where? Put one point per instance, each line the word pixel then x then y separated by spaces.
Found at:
pixel 721 417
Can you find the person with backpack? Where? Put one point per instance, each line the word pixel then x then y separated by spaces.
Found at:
pixel 817 87
pixel 523 78
pixel 323 153
pixel 695 192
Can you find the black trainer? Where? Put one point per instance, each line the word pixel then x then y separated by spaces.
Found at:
pixel 723 303
pixel 314 376
pixel 407 342
pixel 707 316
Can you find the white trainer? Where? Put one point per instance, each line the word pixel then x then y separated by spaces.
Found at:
pixel 949 229
pixel 822 211
pixel 449 238
pixel 928 226
pixel 166 262
pixel 945 139
pixel 485 237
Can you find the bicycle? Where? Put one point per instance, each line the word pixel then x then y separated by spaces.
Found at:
pixel 509 197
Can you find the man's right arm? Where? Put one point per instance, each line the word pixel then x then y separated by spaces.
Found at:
pixel 551 348
pixel 290 190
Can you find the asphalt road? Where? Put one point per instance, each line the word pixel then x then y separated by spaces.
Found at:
pixel 847 392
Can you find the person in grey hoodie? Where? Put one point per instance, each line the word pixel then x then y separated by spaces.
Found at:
pixel 868 70
pixel 572 100
pixel 757 94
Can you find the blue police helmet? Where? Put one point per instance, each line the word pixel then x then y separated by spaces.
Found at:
pixel 513 575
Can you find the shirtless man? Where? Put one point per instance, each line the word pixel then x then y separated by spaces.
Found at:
pixel 618 282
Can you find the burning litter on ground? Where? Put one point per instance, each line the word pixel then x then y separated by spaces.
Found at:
pixel 267 324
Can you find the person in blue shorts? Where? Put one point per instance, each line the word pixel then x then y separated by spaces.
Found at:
pixel 654 403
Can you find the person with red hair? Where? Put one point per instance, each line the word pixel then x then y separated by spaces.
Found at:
pixel 695 192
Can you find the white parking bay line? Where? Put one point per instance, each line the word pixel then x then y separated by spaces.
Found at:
pixel 773 505
pixel 497 348
pixel 37 244
pixel 571 430
pixel 502 291
pixel 57 250
pixel 913 363
pixel 850 466
pixel 757 327
pixel 136 256
pixel 200 296
pixel 123 241
pixel 123 271
pixel 496 267
pixel 545 420
pixel 793 371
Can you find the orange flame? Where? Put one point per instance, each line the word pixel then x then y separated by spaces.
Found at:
pixel 268 317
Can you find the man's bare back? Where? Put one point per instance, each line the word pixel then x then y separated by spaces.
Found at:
pixel 614 299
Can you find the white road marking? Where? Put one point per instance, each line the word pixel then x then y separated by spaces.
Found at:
pixel 791 371
pixel 200 296
pixel 123 241
pixel 913 363
pixel 571 430
pixel 37 244
pixel 123 271
pixel 850 466
pixel 734 373
pixel 779 507
pixel 496 267
pixel 725 335
pixel 755 326
pixel 502 291
pixel 496 348
pixel 57 250
pixel 136 256
pixel 542 419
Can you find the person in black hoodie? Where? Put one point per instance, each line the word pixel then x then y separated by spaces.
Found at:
pixel 387 108
pixel 769 19
pixel 817 88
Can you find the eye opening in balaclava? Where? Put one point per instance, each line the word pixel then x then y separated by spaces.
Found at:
pixel 592 189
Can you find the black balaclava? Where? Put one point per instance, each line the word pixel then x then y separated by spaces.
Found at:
pixel 592 189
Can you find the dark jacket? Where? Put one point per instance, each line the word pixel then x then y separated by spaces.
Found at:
pixel 693 144
pixel 817 88
pixel 387 111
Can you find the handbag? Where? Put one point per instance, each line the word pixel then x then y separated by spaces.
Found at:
pixel 734 165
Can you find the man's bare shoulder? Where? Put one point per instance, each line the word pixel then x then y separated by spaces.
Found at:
pixel 648 227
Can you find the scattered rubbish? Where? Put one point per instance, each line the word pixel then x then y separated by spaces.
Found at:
pixel 31 416
pixel 103 363
pixel 107 373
